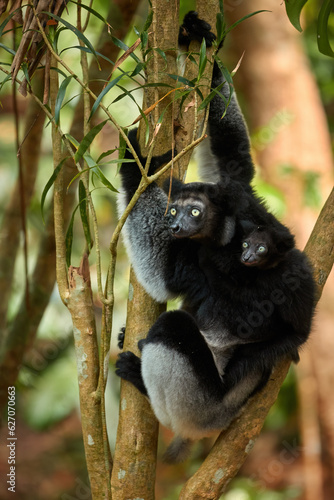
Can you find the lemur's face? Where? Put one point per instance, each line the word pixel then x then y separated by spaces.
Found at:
pixel 255 250
pixel 187 217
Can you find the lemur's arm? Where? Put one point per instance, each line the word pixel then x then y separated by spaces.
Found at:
pixel 161 262
pixel 226 153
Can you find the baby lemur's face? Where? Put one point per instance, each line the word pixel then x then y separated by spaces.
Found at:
pixel 255 249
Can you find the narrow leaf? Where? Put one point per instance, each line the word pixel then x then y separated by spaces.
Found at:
pixel 106 153
pixel 139 67
pixel 69 238
pixel 103 93
pixel 220 28
pixel 148 21
pixel 209 98
pixel 243 19
pixel 87 141
pixel 75 30
pixel 72 140
pixel 182 79
pixel 50 182
pixel 7 79
pixel 202 60
pixel 60 97
pixel 104 180
pixel 92 11
pixel 144 39
pixel 161 53
pixel 123 46
pixel 6 21
pixel 293 9
pixel 322 28
pixel 11 51
pixel 84 214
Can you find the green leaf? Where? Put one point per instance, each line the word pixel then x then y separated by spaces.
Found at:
pixel 202 60
pixel 75 30
pixel 106 153
pixel 197 90
pixel 144 39
pixel 79 174
pixel 148 21
pixel 7 79
pixel 127 93
pixel 50 182
pixel 322 28
pixel 92 11
pixel 24 68
pixel 6 21
pixel 87 140
pixel 60 97
pixel 72 140
pixel 161 53
pixel 84 215
pixel 226 74
pixel 137 69
pixel 103 93
pixel 182 79
pixel 11 51
pixel 243 19
pixel 212 94
pixel 121 45
pixel 293 9
pixel 220 27
pixel 104 180
pixel 69 239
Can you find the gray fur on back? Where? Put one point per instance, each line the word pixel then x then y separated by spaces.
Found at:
pixel 146 234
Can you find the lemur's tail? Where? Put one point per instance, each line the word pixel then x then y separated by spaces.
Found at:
pixel 177 451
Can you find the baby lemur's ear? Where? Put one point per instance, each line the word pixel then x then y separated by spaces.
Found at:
pixel 176 187
pixel 284 240
pixel 248 226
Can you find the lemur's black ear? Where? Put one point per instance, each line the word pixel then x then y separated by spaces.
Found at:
pixel 176 187
pixel 248 226
pixel 284 240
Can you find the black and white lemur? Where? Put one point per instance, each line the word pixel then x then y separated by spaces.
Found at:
pixel 248 294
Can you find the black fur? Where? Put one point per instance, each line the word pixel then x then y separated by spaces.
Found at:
pixel 201 364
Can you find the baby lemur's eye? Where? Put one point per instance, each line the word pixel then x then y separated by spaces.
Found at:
pixel 173 211
pixel 245 244
pixel 195 212
pixel 261 249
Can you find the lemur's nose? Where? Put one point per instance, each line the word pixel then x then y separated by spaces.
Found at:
pixel 175 228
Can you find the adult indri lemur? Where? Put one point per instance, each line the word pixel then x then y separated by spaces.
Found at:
pixel 248 293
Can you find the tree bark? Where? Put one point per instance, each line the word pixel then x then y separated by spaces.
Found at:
pixel 137 432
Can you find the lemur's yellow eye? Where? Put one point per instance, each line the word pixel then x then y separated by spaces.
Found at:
pixel 245 244
pixel 173 211
pixel 195 212
pixel 261 249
